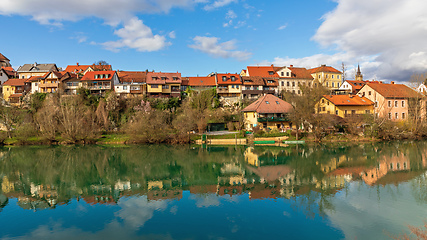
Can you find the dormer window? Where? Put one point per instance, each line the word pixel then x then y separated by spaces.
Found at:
pixel 267 102
pixel 96 76
pixel 233 78
pixel 164 78
pixel 270 73
pixel 224 78
pixel 287 74
pixel 153 78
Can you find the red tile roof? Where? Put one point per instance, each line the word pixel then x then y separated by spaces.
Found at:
pixel 185 81
pixel 269 104
pixel 228 79
pixel 2 58
pixel 34 78
pixel 324 68
pixel 77 68
pixel 130 76
pixel 163 78
pixel 300 73
pixel 394 90
pixel 253 81
pixel 16 95
pixel 15 82
pixel 8 68
pixel 348 100
pixel 263 71
pixel 357 85
pixel 106 75
pixel 201 81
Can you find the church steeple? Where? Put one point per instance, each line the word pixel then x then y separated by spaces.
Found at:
pixel 359 76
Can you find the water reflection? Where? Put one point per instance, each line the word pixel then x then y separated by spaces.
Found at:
pixel 141 180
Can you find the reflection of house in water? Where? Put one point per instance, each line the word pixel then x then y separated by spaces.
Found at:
pixel 386 165
pixel 47 192
pixel 164 189
pixel 6 185
pixel 335 162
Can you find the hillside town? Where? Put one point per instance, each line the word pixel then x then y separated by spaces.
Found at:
pixel 266 89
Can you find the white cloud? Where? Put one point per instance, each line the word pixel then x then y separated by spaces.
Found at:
pixel 56 11
pixel 283 27
pixel 230 14
pixel 136 35
pixel 211 46
pixel 391 33
pixel 219 4
pixel 172 35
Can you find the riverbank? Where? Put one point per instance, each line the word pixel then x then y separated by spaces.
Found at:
pixel 123 139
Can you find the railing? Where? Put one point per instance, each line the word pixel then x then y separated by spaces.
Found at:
pixel 136 91
pixel 273 119
pixel 98 87
pixel 43 85
pixel 222 90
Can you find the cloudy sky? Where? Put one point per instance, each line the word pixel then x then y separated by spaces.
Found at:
pixel 196 37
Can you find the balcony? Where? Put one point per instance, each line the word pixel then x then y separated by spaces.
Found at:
pixel 48 85
pixel 136 91
pixel 273 119
pixel 222 90
pixel 102 87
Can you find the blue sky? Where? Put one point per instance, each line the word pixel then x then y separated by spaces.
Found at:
pixel 196 37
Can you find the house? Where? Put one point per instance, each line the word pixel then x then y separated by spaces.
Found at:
pixel 131 83
pixel 327 76
pixel 50 82
pixel 255 87
pixel 260 71
pixel 4 61
pixel 351 86
pixel 229 87
pixel 36 69
pixel 6 73
pixel 422 89
pixel 268 112
pixel 70 82
pixel 83 69
pixel 161 84
pixel 345 105
pixel 99 82
pixel 14 89
pixel 393 101
pixel 199 84
pixel 291 78
pixel 34 83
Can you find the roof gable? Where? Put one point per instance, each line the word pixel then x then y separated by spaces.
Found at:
pixel 228 79
pixel 269 104
pixel 36 67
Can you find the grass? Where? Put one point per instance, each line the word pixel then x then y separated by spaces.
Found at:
pixel 113 139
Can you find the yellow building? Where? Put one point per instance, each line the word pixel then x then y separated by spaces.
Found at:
pixel 160 84
pixel 345 105
pixel 36 69
pixel 14 89
pixel 328 76
pixel 268 112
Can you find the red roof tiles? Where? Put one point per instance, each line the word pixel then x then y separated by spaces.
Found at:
pixel 15 82
pixel 163 78
pixel 132 77
pixel 228 79
pixel 348 100
pixel 269 104
pixel 324 68
pixel 394 90
pixel 98 75
pixel 201 81
pixel 263 71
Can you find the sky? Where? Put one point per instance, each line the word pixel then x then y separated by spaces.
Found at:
pixel 387 38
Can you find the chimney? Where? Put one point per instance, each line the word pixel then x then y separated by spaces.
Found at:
pixel 291 66
pixel 77 64
pixel 323 65
pixel 392 82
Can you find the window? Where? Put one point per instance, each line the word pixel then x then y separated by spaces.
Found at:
pixel 165 86
pixel 367 111
pixel 283 83
pixel 333 85
pixel 323 100
pixel 287 84
pixel 389 115
pixel 153 78
pixel 403 115
pixel 338 77
pixel 282 74
pixel 248 88
pixel 299 92
pixel 336 112
pixel 389 104
pixel 396 116
pixel 376 104
pixel 327 84
pixel 395 103
pixel 287 74
pixel 96 76
pixel 35 84
pixel 323 108
pixel 237 86
pixel 293 84
pixel 224 78
pixel 319 75
pixel 327 102
pixel 332 76
pixel 353 111
pixel 326 75
pixel 154 86
pixel 345 112
pixel 233 78
pixel 232 86
pixel 125 87
pixel 267 102
pixel 369 93
pixel 270 73
pixel 403 104
pixel 277 102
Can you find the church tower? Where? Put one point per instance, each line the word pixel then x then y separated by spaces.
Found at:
pixel 359 76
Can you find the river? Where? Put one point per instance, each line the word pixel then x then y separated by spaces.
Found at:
pixel 368 191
